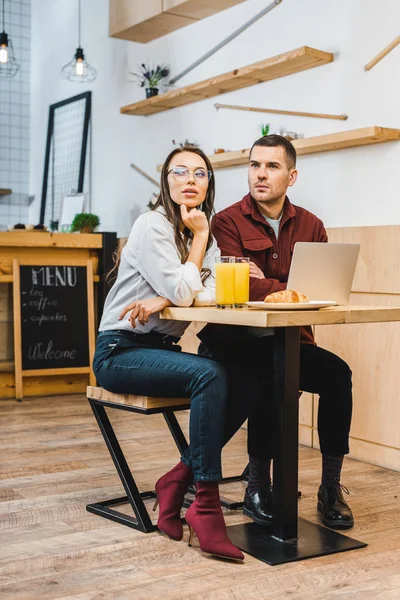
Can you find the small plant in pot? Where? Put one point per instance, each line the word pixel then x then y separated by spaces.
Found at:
pixel 151 78
pixel 85 223
pixel 264 128
pixel 186 144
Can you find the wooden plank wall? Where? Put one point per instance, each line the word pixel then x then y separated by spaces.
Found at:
pixel 371 350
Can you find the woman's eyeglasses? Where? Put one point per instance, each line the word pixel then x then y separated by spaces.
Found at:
pixel 181 175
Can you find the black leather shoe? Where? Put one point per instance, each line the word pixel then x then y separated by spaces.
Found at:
pixel 258 505
pixel 335 511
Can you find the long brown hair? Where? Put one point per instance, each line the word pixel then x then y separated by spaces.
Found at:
pixel 173 211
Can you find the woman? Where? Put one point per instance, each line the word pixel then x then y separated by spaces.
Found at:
pixel 167 261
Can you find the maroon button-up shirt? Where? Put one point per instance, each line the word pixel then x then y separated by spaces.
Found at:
pixel 241 230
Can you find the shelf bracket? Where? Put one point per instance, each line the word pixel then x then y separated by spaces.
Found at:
pixel 146 175
pixel 382 54
pixel 226 41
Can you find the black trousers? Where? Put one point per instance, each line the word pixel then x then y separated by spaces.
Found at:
pixel 249 363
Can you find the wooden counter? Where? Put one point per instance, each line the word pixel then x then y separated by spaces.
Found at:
pixel 42 246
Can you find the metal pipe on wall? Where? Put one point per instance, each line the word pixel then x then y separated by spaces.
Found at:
pixel 231 37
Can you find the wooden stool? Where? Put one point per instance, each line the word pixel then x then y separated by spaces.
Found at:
pixel 99 400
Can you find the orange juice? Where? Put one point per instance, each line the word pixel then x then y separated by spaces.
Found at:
pixel 225 283
pixel 242 283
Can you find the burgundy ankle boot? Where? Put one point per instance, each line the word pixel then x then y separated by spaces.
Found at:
pixel 205 519
pixel 171 489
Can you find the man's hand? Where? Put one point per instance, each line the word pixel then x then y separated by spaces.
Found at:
pixel 256 272
pixel 142 309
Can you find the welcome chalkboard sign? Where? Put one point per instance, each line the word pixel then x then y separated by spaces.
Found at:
pixel 54 319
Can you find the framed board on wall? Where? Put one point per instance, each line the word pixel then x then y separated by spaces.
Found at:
pixel 54 331
pixel 67 163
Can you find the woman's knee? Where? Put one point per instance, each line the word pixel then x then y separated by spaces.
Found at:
pixel 212 374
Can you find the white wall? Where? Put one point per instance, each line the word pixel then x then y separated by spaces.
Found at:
pixel 350 187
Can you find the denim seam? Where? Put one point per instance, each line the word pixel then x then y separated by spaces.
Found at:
pixel 134 368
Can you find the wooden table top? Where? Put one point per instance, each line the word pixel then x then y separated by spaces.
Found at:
pixel 289 318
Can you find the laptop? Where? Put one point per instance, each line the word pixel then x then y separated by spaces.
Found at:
pixel 323 271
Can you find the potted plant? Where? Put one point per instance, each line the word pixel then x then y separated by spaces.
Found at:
pixel 85 223
pixel 186 144
pixel 264 128
pixel 151 78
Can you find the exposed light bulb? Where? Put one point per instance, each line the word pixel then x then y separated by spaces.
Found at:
pixel 79 67
pixel 3 54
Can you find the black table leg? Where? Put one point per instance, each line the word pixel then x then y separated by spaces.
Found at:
pixel 286 415
pixel 288 538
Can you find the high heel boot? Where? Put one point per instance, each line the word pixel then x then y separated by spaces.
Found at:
pixel 205 519
pixel 171 489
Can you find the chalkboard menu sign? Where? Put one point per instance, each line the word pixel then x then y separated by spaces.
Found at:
pixel 54 317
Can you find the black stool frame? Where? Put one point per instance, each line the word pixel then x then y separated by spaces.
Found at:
pixel 142 520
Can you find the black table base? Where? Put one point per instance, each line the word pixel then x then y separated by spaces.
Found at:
pixel 313 540
pixel 288 538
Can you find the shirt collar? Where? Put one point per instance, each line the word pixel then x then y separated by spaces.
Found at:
pixel 249 207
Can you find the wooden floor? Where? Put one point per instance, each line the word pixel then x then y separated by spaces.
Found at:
pixel 53 462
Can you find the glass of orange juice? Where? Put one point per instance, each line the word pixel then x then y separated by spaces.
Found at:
pixel 225 282
pixel 242 280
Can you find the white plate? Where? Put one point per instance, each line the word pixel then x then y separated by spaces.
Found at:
pixel 312 305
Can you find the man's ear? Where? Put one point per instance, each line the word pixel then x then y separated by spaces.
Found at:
pixel 293 177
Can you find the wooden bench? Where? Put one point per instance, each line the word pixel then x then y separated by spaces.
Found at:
pixel 99 400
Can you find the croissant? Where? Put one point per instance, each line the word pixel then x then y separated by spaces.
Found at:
pixel 286 296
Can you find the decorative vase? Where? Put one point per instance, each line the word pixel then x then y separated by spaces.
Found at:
pixel 151 91
pixel 86 230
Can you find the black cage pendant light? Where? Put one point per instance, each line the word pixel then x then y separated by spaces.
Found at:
pixel 78 69
pixel 8 63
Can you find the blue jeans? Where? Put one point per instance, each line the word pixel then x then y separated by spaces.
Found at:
pixel 126 365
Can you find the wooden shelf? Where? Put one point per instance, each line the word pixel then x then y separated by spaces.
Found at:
pixel 265 70
pixel 139 21
pixel 320 143
pixel 5 192
pixel 312 145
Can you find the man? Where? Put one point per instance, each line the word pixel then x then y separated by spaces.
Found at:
pixel 265 226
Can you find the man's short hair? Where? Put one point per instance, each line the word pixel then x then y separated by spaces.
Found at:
pixel 273 141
